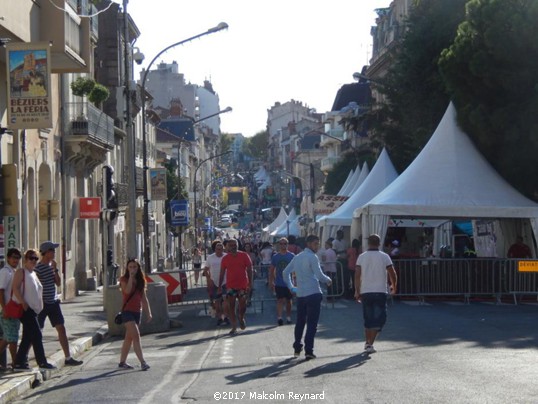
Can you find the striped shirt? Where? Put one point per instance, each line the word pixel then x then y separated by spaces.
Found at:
pixel 45 274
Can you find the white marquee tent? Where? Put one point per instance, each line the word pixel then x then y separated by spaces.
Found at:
pixel 288 226
pixel 451 179
pixel 382 174
pixel 282 216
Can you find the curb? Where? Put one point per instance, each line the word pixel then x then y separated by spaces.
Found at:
pixel 13 385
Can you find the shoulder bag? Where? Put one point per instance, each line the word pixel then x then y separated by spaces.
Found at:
pixel 13 309
pixel 118 320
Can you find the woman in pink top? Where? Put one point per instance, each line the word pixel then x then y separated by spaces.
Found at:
pixel 133 288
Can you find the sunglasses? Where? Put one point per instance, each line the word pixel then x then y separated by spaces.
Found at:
pixel 33 258
pixel 15 257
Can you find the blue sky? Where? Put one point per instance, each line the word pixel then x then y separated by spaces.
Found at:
pixel 273 50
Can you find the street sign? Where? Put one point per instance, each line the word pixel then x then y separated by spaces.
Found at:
pixel 89 208
pixel 179 212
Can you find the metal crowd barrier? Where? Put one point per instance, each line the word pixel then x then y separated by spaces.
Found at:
pixel 468 278
pixel 417 278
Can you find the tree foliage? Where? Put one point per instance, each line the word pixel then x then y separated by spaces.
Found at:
pixel 257 145
pixel 338 174
pixel 415 94
pixel 175 186
pixel 491 71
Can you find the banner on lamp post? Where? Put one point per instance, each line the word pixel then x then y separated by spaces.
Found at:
pixel 179 212
pixel 28 90
pixel 157 178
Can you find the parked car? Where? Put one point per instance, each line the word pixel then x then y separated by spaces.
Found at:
pixel 225 221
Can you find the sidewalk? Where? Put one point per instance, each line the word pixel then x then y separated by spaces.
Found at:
pixel 85 322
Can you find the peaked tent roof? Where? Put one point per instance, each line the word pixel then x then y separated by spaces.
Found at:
pixel 346 182
pixel 282 215
pixel 382 174
pixel 352 181
pixel 282 229
pixel 450 178
pixel 362 176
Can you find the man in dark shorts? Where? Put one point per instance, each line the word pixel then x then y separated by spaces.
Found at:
pixel 212 273
pixel 371 273
pixel 279 261
pixel 236 266
pixel 48 274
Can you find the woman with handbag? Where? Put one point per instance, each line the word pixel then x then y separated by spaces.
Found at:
pixel 27 290
pixel 133 288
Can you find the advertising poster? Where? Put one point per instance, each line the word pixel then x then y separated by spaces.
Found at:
pixel 157 178
pixel 29 95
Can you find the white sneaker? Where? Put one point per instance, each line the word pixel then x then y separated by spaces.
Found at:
pixel 369 349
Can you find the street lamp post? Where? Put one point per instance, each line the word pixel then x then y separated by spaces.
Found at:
pixel 181 141
pixel 145 218
pixel 195 188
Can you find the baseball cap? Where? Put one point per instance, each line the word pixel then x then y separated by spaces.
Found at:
pixel 48 245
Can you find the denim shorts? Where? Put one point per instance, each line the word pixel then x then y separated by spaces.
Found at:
pixel 10 328
pixel 374 309
pixel 127 316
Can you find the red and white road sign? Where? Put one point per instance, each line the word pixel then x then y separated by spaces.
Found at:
pixel 172 281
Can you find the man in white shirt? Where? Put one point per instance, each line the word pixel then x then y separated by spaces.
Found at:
pixel 342 276
pixel 212 273
pixel 371 273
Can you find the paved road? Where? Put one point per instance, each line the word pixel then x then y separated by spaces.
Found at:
pixel 434 353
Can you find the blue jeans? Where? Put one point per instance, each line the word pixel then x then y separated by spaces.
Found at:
pixel 308 309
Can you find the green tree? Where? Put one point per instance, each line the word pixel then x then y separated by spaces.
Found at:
pixel 175 186
pixel 225 142
pixel 416 97
pixel 491 71
pixel 257 145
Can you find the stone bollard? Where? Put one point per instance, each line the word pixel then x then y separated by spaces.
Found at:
pixel 158 303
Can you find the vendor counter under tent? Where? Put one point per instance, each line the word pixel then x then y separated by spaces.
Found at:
pixel 450 179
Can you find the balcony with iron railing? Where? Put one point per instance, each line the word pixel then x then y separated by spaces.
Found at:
pixel 83 118
pixel 89 134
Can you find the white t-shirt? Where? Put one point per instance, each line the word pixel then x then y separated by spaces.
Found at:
pixel 374 265
pixel 266 255
pixel 6 280
pixel 213 263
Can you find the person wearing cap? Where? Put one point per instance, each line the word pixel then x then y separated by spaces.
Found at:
pixel 373 272
pixel 48 274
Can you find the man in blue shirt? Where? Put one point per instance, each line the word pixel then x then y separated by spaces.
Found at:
pixel 308 274
pixel 279 262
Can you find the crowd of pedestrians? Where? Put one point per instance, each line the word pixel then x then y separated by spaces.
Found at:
pixel 290 271
pixel 29 287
